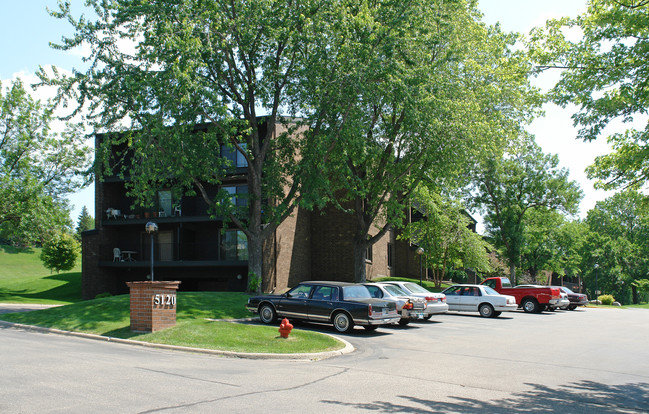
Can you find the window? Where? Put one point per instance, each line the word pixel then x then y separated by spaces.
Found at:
pixel 324 293
pixel 164 202
pixel 234 245
pixel 368 254
pixel 300 291
pixel 375 291
pixel 236 158
pixel 389 254
pixel 239 194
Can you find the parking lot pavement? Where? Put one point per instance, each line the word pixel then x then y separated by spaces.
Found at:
pixel 586 361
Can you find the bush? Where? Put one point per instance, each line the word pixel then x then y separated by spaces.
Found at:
pixel 606 299
pixel 60 252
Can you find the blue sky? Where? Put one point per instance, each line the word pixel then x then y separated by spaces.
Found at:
pixel 26 30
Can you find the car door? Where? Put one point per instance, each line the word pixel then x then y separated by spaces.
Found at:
pixel 295 303
pixel 453 298
pixel 323 301
pixel 470 298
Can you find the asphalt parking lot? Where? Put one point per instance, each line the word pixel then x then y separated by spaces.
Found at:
pixel 593 360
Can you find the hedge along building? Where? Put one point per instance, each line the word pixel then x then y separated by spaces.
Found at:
pixel 205 253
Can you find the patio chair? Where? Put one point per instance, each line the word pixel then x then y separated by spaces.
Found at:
pixel 117 255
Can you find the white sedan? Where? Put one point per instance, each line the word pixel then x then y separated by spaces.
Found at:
pixel 478 298
pixel 435 302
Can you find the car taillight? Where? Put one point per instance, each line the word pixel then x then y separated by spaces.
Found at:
pixel 408 305
pixel 370 309
pixel 431 299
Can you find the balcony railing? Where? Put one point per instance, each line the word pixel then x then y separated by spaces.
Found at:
pixel 173 252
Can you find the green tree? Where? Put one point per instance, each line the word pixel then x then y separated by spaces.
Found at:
pixel 509 187
pixel 604 74
pixel 620 227
pixel 60 252
pixel 218 64
pixel 84 222
pixel 427 90
pixel 38 167
pixel 443 232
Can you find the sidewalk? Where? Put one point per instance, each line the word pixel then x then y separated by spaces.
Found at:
pixel 22 307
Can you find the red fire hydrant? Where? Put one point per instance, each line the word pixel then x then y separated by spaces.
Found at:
pixel 285 328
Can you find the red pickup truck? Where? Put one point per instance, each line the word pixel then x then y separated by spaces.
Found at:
pixel 531 299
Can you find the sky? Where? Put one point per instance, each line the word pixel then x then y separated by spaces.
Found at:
pixel 26 30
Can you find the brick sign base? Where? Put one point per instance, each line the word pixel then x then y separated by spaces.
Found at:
pixel 153 305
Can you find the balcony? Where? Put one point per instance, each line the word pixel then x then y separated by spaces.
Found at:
pixel 174 255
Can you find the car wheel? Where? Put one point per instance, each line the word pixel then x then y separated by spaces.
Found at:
pixel 404 321
pixel 370 328
pixel 572 307
pixel 486 310
pixel 530 306
pixel 267 313
pixel 342 322
pixel 427 317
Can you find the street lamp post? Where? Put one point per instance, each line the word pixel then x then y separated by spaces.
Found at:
pixel 151 228
pixel 420 252
pixel 596 274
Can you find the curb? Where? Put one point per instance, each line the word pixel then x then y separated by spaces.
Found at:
pixel 316 356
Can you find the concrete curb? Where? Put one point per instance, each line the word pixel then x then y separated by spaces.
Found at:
pixel 230 354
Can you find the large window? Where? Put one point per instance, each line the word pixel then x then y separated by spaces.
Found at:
pixel 236 158
pixel 234 245
pixel 239 194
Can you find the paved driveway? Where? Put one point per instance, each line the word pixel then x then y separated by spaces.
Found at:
pixel 586 361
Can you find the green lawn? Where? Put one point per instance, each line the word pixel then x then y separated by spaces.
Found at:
pixel 110 317
pixel 23 279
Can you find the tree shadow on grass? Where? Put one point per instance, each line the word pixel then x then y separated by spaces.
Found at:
pixel 69 291
pixel 15 250
pixel 578 397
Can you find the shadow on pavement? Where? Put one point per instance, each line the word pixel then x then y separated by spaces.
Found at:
pixel 579 397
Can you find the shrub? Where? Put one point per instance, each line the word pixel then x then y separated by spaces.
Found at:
pixel 606 299
pixel 60 252
pixel 103 295
pixel 254 282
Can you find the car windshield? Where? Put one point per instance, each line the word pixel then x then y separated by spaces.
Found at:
pixel 395 290
pixel 415 288
pixel 566 290
pixel 505 282
pixel 356 292
pixel 489 291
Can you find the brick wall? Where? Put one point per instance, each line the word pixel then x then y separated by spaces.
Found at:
pixel 146 314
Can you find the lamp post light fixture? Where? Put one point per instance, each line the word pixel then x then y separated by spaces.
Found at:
pixel 151 228
pixel 420 252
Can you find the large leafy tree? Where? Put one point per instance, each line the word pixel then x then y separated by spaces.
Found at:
pixel 160 68
pixel 444 234
pixel 508 188
pixel 604 74
pixel 427 90
pixel 620 227
pixel 38 167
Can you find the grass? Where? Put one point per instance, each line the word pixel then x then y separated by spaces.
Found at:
pixel 23 279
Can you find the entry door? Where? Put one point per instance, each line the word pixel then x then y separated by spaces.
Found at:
pixel 165 246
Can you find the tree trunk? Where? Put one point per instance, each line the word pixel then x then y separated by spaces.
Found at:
pixel 512 273
pixel 360 271
pixel 255 259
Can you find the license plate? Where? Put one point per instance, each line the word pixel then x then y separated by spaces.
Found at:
pixel 385 311
pixel 420 316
